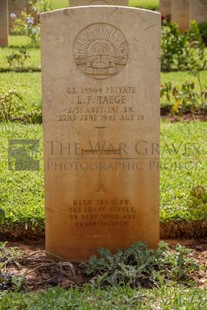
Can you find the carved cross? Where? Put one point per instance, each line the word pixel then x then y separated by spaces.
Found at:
pixel 100 152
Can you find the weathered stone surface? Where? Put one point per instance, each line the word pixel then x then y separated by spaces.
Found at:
pixel 98 2
pixel 165 7
pixel 4 24
pixel 181 13
pixel 198 10
pixel 101 92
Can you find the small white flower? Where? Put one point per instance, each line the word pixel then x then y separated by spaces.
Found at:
pixel 13 15
pixel 30 20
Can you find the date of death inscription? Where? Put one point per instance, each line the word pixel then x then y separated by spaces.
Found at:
pixel 100 104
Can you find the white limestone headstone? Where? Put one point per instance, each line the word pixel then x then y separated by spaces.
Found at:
pixel 101 107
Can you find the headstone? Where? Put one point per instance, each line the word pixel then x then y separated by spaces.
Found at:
pixel 101 92
pixel 165 7
pixel 198 11
pixel 15 9
pixel 181 13
pixel 4 24
pixel 98 2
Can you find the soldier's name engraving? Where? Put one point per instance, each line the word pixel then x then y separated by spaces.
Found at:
pixel 101 100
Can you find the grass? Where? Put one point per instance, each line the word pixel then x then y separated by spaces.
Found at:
pixel 59 4
pixel 32 92
pixel 22 193
pixel 22 197
pixel 17 41
pixel 31 63
pixel 147 4
pixel 29 84
pixel 174 191
pixel 177 78
pixel 183 171
pixel 122 298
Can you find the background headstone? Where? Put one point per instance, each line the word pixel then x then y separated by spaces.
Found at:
pixel 181 13
pixel 198 10
pixel 16 7
pixel 98 2
pixel 4 24
pixel 101 93
pixel 165 7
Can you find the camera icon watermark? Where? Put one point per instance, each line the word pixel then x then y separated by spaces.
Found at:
pixel 23 155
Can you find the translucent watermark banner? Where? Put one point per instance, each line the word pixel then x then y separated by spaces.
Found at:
pixel 23 154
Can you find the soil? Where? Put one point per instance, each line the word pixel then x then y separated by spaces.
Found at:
pixel 171 230
pixel 189 117
pixel 43 271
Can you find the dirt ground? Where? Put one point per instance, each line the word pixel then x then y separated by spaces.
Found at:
pixel 43 271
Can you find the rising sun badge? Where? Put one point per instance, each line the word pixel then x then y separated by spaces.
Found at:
pixel 100 51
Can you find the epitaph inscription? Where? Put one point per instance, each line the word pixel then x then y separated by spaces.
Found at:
pixel 100 51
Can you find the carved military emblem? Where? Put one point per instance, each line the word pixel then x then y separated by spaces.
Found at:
pixel 100 51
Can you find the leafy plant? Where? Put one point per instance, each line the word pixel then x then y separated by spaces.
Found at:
pixel 2 216
pixel 203 31
pixel 26 24
pixel 17 59
pixel 198 203
pixel 140 266
pixel 12 109
pixel 9 281
pixel 181 99
pixel 182 50
pixel 10 105
pixel 41 5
